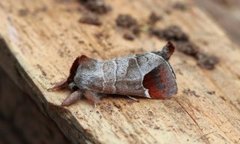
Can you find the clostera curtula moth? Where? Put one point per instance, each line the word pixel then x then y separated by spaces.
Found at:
pixel 147 75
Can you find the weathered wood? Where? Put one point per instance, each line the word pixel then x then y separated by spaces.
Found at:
pixel 44 37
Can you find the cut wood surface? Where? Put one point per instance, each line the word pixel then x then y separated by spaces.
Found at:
pixel 40 39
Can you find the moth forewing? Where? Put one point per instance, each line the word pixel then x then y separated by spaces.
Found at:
pixel 147 75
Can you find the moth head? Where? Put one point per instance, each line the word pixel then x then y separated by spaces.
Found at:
pixel 72 86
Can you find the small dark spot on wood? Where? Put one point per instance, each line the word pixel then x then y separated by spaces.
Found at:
pixel 128 36
pixel 190 92
pixel 179 71
pixel 150 113
pixel 63 1
pixel 61 53
pixel 65 30
pixel 168 11
pixel 23 12
pixel 154 18
pixel 110 44
pixel 223 98
pixel 101 35
pixel 136 30
pixel 75 37
pixel 69 10
pixel 91 19
pixel 187 48
pixel 107 108
pixel 40 9
pixel 156 127
pixel 126 21
pixel 174 33
pixel 117 105
pixel 81 42
pixel 207 61
pixel 153 31
pixel 96 6
pixel 180 6
pixel 41 69
pixel 238 101
pixel 211 92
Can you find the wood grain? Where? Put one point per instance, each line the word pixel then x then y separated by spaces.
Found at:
pixel 42 43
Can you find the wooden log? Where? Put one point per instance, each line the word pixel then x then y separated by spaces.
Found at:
pixel 40 40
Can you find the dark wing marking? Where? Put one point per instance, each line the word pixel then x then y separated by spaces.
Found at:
pixel 160 82
pixel 64 84
pixel 79 60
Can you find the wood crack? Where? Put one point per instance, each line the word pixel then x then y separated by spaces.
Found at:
pixel 195 122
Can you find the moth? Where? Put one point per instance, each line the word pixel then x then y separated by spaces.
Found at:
pixel 147 75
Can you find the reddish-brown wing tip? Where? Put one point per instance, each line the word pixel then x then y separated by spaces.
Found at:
pixel 168 50
pixel 64 84
pixel 74 67
pixel 160 82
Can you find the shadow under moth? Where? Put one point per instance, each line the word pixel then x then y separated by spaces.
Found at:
pixel 147 75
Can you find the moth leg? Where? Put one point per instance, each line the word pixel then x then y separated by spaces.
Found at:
pixel 132 98
pixel 93 97
pixel 74 97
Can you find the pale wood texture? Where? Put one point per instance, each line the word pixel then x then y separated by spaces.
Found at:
pixel 42 45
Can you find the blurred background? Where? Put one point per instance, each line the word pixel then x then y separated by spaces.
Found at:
pixel 22 122
pixel 225 13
